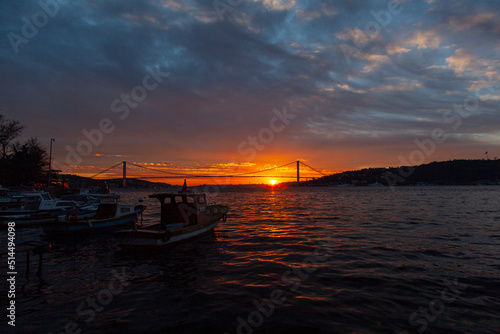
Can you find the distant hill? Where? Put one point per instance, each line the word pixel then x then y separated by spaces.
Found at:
pixel 76 181
pixel 455 172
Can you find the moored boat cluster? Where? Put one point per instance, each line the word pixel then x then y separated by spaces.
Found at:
pixel 184 215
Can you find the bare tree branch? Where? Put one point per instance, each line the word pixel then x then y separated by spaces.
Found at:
pixel 9 130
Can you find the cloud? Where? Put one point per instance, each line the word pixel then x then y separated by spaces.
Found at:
pixel 227 76
pixel 394 49
pixel 461 61
pixel 374 62
pixel 356 35
pixel 483 74
pixel 469 21
pixel 403 86
pixel 310 14
pixel 429 39
pixel 277 4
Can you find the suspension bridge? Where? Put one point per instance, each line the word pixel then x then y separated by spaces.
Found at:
pixel 168 174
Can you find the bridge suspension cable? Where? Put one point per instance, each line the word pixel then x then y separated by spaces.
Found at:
pixel 186 175
pixel 314 169
pixel 264 170
pixel 231 175
pixel 104 171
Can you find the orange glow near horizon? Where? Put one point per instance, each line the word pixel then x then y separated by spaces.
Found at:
pixel 227 173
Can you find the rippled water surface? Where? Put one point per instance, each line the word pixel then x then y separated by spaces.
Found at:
pixel 306 260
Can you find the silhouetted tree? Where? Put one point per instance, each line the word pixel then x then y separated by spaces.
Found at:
pixel 27 163
pixel 9 130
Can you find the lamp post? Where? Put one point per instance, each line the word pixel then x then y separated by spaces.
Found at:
pixel 50 160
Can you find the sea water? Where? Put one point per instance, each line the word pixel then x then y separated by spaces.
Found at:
pixel 294 260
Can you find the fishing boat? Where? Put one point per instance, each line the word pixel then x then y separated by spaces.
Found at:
pixel 32 208
pixel 44 217
pixel 29 202
pixel 86 198
pixel 184 216
pixel 110 214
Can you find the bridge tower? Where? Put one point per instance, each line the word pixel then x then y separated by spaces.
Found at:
pixel 298 171
pixel 124 174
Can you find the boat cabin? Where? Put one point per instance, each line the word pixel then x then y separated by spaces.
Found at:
pixel 109 208
pixel 180 207
pixel 41 200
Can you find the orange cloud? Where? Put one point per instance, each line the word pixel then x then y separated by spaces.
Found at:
pixel 425 39
pixel 394 49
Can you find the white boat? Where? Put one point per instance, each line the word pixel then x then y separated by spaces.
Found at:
pixel 44 217
pixel 29 202
pixel 183 216
pixel 31 208
pixel 110 214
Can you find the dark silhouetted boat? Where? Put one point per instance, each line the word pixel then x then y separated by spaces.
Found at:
pixel 110 214
pixel 33 208
pixel 184 216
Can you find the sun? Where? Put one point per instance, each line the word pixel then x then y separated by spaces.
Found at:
pixel 273 182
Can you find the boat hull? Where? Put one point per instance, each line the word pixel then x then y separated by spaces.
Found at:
pixel 155 239
pixel 90 225
pixel 41 218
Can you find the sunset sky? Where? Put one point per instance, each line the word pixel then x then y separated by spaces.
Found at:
pixel 237 86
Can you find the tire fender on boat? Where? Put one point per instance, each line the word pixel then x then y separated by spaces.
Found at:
pixel 224 217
